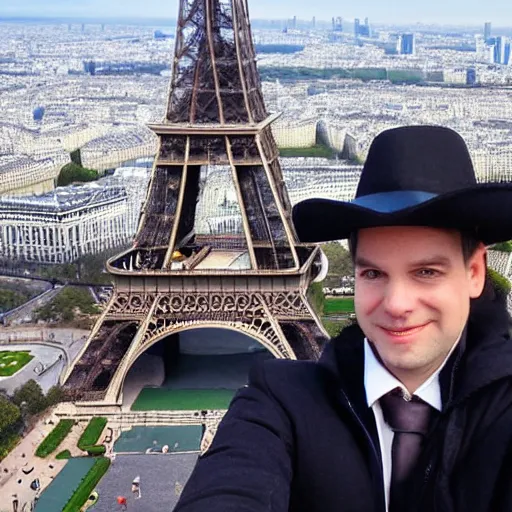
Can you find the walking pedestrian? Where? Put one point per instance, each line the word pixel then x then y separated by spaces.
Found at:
pixel 121 500
pixel 136 486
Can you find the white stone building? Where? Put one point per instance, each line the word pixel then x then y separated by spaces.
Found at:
pixel 22 174
pixel 62 226
pixel 119 146
pixel 295 133
pixel 493 162
pixel 135 181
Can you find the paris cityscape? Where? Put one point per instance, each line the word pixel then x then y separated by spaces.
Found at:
pixel 147 255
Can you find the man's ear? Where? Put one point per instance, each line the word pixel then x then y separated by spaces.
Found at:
pixel 477 271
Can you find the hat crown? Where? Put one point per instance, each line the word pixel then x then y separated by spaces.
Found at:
pixel 417 158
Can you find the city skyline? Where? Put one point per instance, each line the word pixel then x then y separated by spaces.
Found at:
pixel 456 12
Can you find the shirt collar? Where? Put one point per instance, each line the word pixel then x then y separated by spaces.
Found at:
pixel 378 381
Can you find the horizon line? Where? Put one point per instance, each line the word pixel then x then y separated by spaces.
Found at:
pixel 6 17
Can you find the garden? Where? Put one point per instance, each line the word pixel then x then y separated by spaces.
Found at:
pixel 11 361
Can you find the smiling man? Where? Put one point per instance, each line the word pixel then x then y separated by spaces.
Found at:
pixel 411 409
pixel 412 290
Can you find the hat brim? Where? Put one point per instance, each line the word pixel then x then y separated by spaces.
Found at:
pixel 485 209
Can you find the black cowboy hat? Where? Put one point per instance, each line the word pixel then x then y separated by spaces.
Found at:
pixel 413 176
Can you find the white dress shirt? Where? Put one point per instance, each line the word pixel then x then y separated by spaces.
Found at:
pixel 378 381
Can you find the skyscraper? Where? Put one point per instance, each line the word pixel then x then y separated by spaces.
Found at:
pixel 502 50
pixel 487 31
pixel 337 24
pixel 362 30
pixel 407 44
pixel 367 29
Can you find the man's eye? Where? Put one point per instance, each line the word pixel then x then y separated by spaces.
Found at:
pixel 371 274
pixel 428 272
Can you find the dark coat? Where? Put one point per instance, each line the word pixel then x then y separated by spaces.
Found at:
pixel 301 438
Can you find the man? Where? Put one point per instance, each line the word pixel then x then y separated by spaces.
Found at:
pixel 411 410
pixel 136 486
pixel 122 502
pixel 15 503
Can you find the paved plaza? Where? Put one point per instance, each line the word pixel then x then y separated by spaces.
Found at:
pixel 71 340
pixel 162 478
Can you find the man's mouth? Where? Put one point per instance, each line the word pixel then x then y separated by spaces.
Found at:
pixel 404 331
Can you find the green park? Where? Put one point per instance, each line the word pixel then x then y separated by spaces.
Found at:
pixel 11 362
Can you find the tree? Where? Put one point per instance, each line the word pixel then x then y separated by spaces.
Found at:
pixel 32 394
pixel 316 298
pixel 72 173
pixel 10 299
pixel 10 415
pixel 501 284
pixel 503 247
pixel 76 157
pixel 10 423
pixel 69 303
pixel 54 396
pixel 340 263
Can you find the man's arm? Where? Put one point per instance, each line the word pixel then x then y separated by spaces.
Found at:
pixel 248 467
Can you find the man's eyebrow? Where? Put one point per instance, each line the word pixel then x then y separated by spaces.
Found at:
pixel 437 260
pixel 362 262
pixel 433 261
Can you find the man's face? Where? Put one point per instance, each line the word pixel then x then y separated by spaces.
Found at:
pixel 412 295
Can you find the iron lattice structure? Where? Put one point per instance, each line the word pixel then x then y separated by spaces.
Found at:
pixel 215 116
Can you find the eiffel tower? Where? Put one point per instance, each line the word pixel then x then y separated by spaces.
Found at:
pixel 175 278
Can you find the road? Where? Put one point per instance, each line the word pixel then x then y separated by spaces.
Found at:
pixel 46 345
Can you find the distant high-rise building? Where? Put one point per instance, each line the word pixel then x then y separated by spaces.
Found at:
pixel 337 24
pixel 407 44
pixel 502 50
pixel 362 30
pixel 367 27
pixel 487 31
pixel 294 24
pixel 313 23
pixel 83 27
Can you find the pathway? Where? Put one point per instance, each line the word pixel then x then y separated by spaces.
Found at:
pixel 12 478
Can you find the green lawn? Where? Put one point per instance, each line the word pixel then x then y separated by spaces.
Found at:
pixel 92 433
pixel 339 305
pixel 52 441
pixel 160 399
pixel 11 362
pixel 318 151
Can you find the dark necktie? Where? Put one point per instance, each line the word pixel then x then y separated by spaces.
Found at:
pixel 409 420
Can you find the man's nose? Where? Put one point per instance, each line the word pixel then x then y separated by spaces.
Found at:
pixel 398 299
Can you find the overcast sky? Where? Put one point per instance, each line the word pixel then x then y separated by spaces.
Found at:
pixel 399 11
